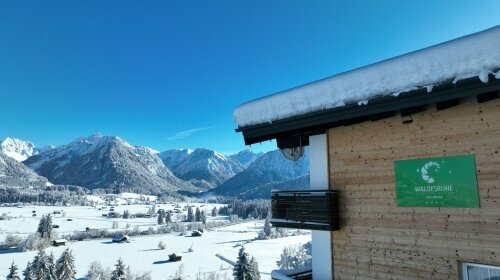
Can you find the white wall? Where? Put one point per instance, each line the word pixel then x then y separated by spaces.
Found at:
pixel 321 240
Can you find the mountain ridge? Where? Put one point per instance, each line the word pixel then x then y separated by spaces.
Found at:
pixel 246 157
pixel 16 174
pixel 107 162
pixel 272 167
pixel 204 168
pixel 17 149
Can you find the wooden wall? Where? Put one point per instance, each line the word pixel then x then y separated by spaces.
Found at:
pixel 381 241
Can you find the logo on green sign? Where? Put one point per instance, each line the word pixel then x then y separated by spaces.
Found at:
pixel 437 182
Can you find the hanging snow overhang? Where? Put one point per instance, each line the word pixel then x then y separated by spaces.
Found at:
pixel 438 76
pixel 288 132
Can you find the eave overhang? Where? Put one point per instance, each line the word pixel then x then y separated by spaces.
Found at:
pixel 378 108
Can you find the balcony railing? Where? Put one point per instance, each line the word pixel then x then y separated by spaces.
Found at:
pixel 315 210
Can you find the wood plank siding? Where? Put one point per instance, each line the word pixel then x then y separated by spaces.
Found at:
pixel 378 240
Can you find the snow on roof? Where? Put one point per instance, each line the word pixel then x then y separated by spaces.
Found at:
pixel 60 240
pixel 475 55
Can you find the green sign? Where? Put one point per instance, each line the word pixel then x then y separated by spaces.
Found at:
pixel 437 182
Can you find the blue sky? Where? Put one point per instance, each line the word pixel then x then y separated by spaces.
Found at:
pixel 168 74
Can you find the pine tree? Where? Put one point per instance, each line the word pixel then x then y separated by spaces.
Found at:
pixel 255 213
pixel 161 219
pixel 198 215
pixel 95 271
pixel 41 226
pixel 190 217
pixel 126 214
pixel 40 265
pixel 128 274
pixel 168 217
pixel 13 272
pixel 203 217
pixel 65 267
pixel 48 226
pixel 214 211
pixel 254 269
pixel 28 273
pixel 295 257
pixel 119 272
pixel 241 270
pixel 267 226
pixel 45 226
pixel 153 210
pixel 51 268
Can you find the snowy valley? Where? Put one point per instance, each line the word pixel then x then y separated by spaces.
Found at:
pixel 212 253
pixel 100 188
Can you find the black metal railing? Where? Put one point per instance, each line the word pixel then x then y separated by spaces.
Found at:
pixel 306 275
pixel 315 210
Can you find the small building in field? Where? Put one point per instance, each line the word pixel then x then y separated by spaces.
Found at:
pixel 119 238
pixel 59 242
pixel 408 150
pixel 113 214
pixel 174 257
pixel 196 233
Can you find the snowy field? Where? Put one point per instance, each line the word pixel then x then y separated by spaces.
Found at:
pixel 212 252
pixel 80 217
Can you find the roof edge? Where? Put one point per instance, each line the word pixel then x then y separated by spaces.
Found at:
pixel 317 122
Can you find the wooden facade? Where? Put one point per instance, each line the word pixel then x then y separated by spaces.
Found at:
pixel 378 240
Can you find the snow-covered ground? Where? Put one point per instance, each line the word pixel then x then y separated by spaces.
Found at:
pixel 142 254
pixel 80 217
pixel 122 198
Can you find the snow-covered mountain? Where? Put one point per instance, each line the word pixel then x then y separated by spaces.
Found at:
pixel 17 149
pixel 109 162
pixel 45 148
pixel 16 174
pixel 272 167
pixel 174 157
pixel 246 157
pixel 204 168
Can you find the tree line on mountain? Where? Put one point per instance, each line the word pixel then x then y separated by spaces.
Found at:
pixel 63 195
pixel 256 209
pixel 52 195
